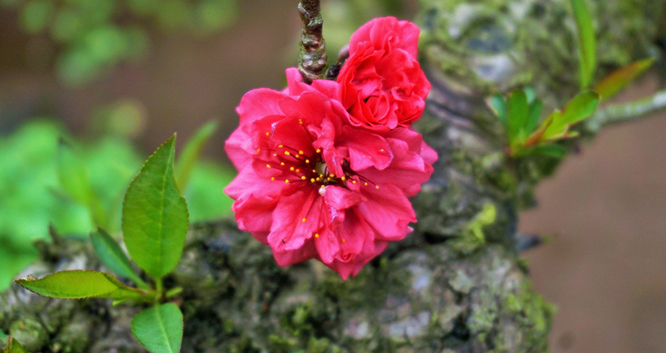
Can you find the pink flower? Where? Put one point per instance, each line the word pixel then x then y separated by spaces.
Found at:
pixel 311 185
pixel 382 84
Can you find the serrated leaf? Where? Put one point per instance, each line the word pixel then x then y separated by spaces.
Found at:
pixel 517 112
pixel 620 78
pixel 497 105
pixel 587 46
pixel 578 109
pixel 113 256
pixel 13 346
pixel 80 285
pixel 191 153
pixel 159 329
pixel 155 217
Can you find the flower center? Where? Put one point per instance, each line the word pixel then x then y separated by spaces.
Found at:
pixel 297 166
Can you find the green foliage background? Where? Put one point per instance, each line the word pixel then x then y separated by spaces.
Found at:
pixel 96 35
pixel 31 197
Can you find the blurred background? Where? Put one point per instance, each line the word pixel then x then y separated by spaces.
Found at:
pixel 104 82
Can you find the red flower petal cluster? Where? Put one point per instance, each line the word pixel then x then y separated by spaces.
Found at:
pixel 312 184
pixel 382 83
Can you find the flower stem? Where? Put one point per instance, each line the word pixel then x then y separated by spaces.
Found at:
pixel 624 112
pixel 313 60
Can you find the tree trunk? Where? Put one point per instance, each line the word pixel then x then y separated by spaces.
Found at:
pixel 448 287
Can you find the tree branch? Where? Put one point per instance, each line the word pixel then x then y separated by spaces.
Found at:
pixel 624 112
pixel 313 60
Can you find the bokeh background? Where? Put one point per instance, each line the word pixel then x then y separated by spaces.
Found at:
pixel 115 78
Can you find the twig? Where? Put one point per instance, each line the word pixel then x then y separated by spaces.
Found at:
pixel 313 58
pixel 624 112
pixel 334 70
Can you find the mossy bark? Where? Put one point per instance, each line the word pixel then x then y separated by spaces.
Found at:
pixel 454 285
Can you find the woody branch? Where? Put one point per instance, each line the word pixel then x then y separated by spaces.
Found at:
pixel 313 60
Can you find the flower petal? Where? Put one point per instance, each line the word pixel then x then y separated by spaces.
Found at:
pixel 296 219
pixel 366 149
pixel 388 211
pixel 259 103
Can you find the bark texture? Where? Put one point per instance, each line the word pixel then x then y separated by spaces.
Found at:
pixel 455 285
pixel 313 58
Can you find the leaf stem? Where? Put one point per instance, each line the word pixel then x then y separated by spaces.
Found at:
pixel 624 112
pixel 159 288
pixel 313 59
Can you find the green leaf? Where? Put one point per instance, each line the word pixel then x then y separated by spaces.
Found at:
pixel 72 173
pixel 530 94
pixel 190 154
pixel 587 46
pixel 497 105
pixel 13 347
pixel 155 217
pixel 159 329
pixel 550 150
pixel 113 256
pixel 74 180
pixel 578 109
pixel 620 78
pixel 80 285
pixel 517 116
pixel 536 107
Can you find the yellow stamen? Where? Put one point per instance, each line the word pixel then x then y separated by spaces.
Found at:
pixel 258 149
pixel 300 152
pixel 268 134
pixel 317 235
pixel 366 184
pixel 303 177
pixel 303 220
pixel 307 161
pixel 268 166
pixel 353 181
pixel 272 178
pixel 287 153
pixel 280 146
pixel 377 187
pixel 343 178
pixel 281 163
pixel 291 168
pixel 344 240
pixel 318 150
pixel 286 181
pixel 332 175
pixel 312 180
